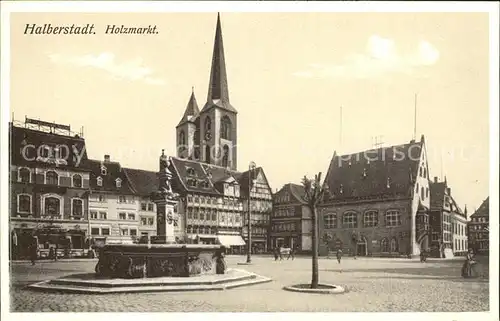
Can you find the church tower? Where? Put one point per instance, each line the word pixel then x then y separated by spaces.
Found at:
pixel 188 131
pixel 217 119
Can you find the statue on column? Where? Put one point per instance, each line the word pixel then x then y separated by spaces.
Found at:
pixel 165 186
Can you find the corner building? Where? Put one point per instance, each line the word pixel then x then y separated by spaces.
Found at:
pixel 378 202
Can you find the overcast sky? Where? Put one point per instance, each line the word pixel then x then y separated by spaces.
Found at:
pixel 288 76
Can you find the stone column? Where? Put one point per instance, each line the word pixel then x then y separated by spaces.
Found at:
pixel 165 200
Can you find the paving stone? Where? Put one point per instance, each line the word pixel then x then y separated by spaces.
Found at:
pixel 372 285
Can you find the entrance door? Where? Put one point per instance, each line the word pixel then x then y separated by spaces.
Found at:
pixel 362 249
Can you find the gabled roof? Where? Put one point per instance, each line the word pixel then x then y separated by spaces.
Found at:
pixel 30 140
pixel 437 193
pixel 218 93
pixel 484 209
pixel 368 174
pixel 296 192
pixel 243 179
pixel 141 181
pixel 192 112
pixel 208 178
pixel 114 171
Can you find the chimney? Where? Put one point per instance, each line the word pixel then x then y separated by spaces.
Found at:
pixel 412 141
pixel 106 158
pixel 435 179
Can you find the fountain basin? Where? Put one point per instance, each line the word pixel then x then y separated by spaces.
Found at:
pixel 159 260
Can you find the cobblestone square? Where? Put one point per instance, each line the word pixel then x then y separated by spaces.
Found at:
pixel 373 285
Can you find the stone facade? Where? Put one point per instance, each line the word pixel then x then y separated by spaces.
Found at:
pixel 377 203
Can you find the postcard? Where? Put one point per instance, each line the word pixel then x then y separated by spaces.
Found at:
pixel 250 157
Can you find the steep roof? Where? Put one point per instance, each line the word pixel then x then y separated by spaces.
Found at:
pixel 197 177
pixel 295 191
pixel 113 172
pixel 29 140
pixel 141 181
pixel 218 93
pixel 437 193
pixel 191 112
pixel 368 174
pixel 484 209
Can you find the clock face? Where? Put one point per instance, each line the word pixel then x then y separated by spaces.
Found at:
pixel 208 135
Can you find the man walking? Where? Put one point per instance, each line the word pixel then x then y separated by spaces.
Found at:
pixel 339 255
pixel 33 249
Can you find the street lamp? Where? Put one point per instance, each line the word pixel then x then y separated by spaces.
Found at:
pixel 251 168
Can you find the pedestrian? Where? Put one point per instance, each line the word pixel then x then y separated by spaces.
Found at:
pixel 33 250
pixel 468 270
pixel 339 255
pixel 291 254
pixel 281 253
pixel 422 257
pixel 276 253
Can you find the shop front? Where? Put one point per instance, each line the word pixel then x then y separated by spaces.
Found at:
pixel 233 242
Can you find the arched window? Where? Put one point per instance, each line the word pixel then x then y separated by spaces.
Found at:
pixel 52 206
pixel 208 128
pixel 24 203
pixel 422 193
pixel 225 128
pixel 370 219
pixel 190 171
pixel 394 245
pixel 99 181
pixel 225 157
pixel 118 182
pixel 330 220
pixel 77 207
pixel 77 180
pixel 104 170
pixel 182 138
pixel 350 220
pixel 51 178
pixel 24 175
pixel 384 245
pixel 425 173
pixel 207 154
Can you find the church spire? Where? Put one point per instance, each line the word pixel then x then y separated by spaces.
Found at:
pixel 217 88
pixel 191 110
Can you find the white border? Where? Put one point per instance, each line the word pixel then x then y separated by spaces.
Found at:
pixel 205 6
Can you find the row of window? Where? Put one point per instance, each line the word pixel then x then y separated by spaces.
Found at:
pixel 480 219
pixel 259 230
pixel 201 230
pixel 147 221
pixel 424 192
pixel 284 227
pixel 370 219
pixel 461 245
pixel 480 236
pixel 50 177
pixel 213 200
pixel 458 229
pixel 284 212
pixel 51 204
pixel 261 206
pixel 149 207
pixel 476 227
pixel 283 198
pixel 126 216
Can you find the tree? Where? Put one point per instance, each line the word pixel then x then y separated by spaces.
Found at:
pixel 314 193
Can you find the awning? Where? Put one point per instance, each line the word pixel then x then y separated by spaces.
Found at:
pixel 230 240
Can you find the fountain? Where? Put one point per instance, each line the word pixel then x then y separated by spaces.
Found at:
pixel 158 264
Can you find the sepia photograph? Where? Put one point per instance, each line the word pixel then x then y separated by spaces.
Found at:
pixel 250 157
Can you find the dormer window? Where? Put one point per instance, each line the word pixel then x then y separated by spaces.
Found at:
pixel 364 172
pixel 388 182
pixel 118 183
pixel 190 171
pixel 104 170
pixel 341 189
pixel 99 181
